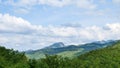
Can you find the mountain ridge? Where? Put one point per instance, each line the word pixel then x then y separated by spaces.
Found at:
pixel 65 50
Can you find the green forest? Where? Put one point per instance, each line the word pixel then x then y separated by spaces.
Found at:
pixel 108 57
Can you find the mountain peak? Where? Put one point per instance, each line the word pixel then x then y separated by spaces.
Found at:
pixel 57 45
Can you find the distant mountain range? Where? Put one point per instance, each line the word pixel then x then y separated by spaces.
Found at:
pixel 68 51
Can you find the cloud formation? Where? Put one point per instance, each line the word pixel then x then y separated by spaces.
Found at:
pixel 13 24
pixel 20 34
pixel 116 1
pixel 86 4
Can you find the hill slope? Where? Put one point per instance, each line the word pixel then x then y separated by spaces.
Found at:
pixel 108 57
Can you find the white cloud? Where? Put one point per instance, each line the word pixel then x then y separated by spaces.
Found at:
pixel 86 4
pixel 116 2
pixel 18 33
pixel 114 27
pixel 64 31
pixel 55 3
pixel 12 24
pixel 24 6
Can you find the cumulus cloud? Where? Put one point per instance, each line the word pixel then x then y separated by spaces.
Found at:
pixel 12 24
pixel 18 33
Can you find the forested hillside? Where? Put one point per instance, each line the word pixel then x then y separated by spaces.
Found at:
pixel 12 59
pixel 108 57
pixel 103 58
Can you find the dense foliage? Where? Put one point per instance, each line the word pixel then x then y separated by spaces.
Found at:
pixel 12 59
pixel 108 57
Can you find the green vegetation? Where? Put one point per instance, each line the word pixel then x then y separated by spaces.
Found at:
pixel 12 59
pixel 108 57
pixel 70 54
pixel 36 55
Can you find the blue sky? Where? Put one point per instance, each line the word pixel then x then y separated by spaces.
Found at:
pixel 65 20
pixel 105 11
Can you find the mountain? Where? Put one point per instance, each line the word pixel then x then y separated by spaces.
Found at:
pixel 105 57
pixel 70 50
pixel 56 45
